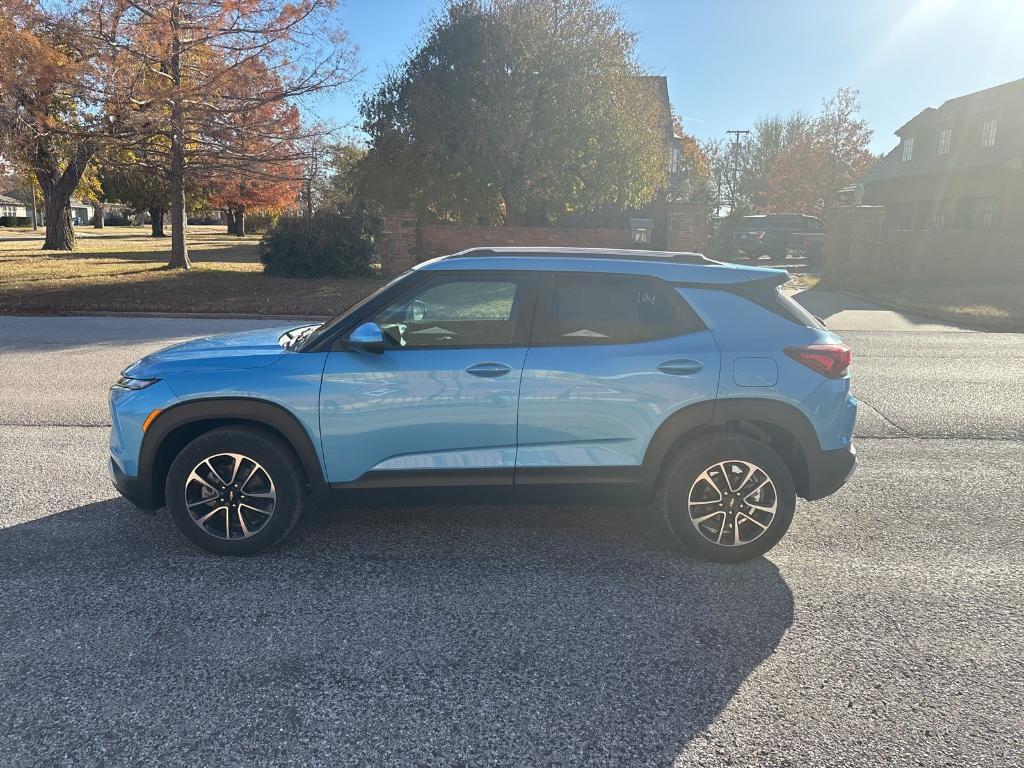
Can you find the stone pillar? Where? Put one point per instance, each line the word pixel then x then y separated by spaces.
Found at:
pixel 397 242
pixel 687 226
pixel 854 245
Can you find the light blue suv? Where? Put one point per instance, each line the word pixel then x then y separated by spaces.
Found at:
pixel 504 375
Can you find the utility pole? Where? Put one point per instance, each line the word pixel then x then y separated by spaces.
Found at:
pixel 736 143
pixel 32 194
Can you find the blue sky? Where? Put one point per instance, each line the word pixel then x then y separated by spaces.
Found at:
pixel 732 61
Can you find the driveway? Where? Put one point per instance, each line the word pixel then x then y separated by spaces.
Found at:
pixel 884 630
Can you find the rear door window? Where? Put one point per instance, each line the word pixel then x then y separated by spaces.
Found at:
pixel 581 309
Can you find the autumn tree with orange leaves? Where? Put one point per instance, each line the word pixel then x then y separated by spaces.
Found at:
pixel 255 160
pixel 62 94
pixel 222 80
pixel 827 155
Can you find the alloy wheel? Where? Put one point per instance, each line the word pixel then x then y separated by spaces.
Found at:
pixel 732 503
pixel 230 496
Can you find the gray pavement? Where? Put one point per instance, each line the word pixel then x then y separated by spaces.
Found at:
pixel 884 630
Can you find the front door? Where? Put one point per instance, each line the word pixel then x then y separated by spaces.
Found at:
pixel 439 405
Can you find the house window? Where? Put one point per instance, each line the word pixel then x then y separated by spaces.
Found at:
pixel 984 212
pixel 988 133
pixel 943 141
pixel 942 214
pixel 900 215
pixel 673 161
pixel 908 148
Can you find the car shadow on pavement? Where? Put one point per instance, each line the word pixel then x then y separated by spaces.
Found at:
pixel 511 636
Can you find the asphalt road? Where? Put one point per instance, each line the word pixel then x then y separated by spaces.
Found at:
pixel 886 629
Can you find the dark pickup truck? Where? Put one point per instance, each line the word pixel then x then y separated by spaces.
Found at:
pixel 775 233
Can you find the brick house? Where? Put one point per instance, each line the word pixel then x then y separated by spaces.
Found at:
pixel 957 167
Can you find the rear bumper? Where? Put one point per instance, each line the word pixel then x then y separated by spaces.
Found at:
pixel 828 471
pixel 135 489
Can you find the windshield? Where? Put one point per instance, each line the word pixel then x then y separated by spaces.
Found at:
pixel 311 339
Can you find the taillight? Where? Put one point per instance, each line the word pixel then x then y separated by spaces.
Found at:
pixel 829 360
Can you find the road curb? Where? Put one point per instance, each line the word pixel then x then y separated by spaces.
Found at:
pixel 967 321
pixel 178 315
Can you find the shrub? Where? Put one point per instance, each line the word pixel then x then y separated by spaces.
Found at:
pixel 256 223
pixel 15 221
pixel 327 245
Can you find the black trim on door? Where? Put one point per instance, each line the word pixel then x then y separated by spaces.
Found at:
pixel 425 487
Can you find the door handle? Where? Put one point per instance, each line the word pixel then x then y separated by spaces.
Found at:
pixel 489 370
pixel 681 367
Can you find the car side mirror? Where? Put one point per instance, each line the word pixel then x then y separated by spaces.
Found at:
pixel 367 337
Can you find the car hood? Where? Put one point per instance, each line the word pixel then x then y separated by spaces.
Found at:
pixel 230 351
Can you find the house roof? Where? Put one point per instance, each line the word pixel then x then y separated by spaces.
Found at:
pixel 964 115
pixel 658 87
pixel 5 200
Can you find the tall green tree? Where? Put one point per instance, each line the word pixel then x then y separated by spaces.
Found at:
pixel 517 111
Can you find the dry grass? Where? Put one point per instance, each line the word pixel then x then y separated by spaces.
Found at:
pixel 984 301
pixel 123 269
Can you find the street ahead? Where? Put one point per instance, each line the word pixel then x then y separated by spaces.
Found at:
pixel 886 629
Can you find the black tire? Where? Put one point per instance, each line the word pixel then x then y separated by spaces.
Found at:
pixel 277 463
pixel 681 477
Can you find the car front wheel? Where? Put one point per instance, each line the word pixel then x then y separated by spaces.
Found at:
pixel 235 490
pixel 727 498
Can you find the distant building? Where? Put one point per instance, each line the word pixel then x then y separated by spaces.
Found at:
pixel 12 208
pixel 81 213
pixel 957 167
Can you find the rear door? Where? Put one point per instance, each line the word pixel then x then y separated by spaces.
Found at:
pixel 611 357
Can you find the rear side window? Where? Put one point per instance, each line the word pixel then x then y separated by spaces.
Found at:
pixel 609 309
pixel 767 293
pixel 796 312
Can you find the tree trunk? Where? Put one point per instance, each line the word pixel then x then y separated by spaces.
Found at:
pixel 232 223
pixel 32 195
pixel 60 230
pixel 240 222
pixel 179 249
pixel 97 215
pixel 57 187
pixel 156 221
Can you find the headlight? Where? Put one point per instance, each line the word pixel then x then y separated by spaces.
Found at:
pixel 126 382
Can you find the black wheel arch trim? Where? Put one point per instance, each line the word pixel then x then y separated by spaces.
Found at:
pixel 722 414
pixel 237 409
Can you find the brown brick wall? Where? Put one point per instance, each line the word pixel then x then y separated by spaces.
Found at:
pixel 442 239
pixel 403 242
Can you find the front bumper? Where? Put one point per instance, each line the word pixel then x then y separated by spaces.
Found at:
pixel 136 489
pixel 828 471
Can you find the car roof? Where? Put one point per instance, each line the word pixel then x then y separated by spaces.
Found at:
pixel 672 266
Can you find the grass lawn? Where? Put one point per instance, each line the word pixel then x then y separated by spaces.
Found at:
pixel 122 269
pixel 1000 304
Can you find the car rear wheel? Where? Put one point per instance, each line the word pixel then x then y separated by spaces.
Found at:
pixel 727 498
pixel 235 490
